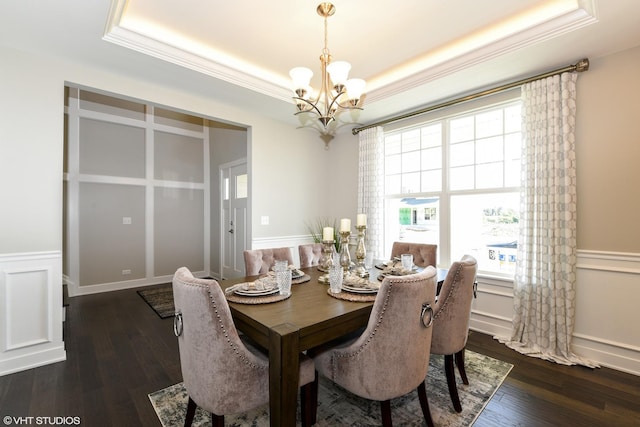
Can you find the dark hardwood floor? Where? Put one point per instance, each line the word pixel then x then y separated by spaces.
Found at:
pixel 119 351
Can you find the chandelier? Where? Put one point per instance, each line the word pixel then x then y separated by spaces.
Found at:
pixel 337 93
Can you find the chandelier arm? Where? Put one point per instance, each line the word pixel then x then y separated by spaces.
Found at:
pixel 310 104
pixel 336 101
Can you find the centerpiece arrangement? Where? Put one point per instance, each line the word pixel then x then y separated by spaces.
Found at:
pixel 336 241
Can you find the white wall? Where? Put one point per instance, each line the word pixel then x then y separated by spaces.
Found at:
pixel 294 180
pixel 286 167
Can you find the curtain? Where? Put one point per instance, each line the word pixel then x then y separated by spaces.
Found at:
pixel 371 187
pixel 545 278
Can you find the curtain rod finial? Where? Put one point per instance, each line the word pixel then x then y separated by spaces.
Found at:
pixel 582 65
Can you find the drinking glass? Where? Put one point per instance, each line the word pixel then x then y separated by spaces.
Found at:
pixel 407 261
pixel 283 278
pixel 280 264
pixel 335 279
pixel 368 261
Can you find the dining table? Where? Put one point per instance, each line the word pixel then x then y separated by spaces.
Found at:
pixel 307 319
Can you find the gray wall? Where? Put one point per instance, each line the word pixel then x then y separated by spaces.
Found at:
pixel 136 178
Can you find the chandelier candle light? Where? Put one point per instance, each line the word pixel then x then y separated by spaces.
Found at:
pixel 337 93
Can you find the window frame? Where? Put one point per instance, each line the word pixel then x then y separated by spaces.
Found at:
pixel 445 194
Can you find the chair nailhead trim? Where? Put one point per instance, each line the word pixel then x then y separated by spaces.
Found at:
pixel 334 359
pixel 233 346
pixel 454 289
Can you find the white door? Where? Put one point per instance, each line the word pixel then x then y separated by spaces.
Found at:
pixel 233 241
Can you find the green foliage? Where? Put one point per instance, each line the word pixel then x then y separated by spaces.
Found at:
pixel 316 227
pixel 500 215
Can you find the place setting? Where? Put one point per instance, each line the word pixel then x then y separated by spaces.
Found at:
pixel 297 276
pixel 351 287
pixel 273 287
pixel 398 266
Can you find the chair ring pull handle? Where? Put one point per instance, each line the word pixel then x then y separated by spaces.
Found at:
pixel 426 307
pixel 177 324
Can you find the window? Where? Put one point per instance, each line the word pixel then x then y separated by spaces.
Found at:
pixel 454 181
pixel 241 186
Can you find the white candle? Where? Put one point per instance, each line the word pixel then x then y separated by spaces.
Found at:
pixel 361 220
pixel 327 233
pixel 345 224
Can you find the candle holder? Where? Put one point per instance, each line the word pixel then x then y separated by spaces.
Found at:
pixel 361 253
pixel 326 261
pixel 345 258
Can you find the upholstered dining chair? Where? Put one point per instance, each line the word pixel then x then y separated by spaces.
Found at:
pixel 451 317
pixel 310 254
pixel 222 373
pixel 386 360
pixel 424 254
pixel 259 261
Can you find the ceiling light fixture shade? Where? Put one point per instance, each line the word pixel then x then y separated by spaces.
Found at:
pixel 337 92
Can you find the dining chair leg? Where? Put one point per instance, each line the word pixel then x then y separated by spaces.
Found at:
pixel 385 407
pixel 217 420
pixel 191 412
pixel 424 404
pixel 451 382
pixel 460 364
pixel 314 399
pixel 309 402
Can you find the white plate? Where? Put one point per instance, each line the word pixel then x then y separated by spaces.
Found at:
pixel 359 290
pixel 256 293
pixel 295 273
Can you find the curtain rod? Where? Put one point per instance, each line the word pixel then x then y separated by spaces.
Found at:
pixel 580 66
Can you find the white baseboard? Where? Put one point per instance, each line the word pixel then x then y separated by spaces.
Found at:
pixel 118 286
pixel 33 359
pixel 605 330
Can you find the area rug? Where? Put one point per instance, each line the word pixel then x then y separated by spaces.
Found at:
pixel 338 407
pixel 160 299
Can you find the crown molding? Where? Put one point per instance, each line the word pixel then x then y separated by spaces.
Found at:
pixel 119 35
pixel 582 15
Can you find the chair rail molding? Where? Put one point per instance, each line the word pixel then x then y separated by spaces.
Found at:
pixel 291 242
pixel 607 289
pixel 31 312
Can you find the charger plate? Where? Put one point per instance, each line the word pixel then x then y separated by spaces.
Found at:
pixel 347 296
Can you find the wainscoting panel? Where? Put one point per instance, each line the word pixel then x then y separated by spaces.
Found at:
pixel 606 324
pixel 291 242
pixel 492 310
pixel 607 318
pixel 31 311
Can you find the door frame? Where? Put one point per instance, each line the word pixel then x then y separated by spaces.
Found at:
pixel 222 227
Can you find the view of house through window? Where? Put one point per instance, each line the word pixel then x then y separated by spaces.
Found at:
pixel 455 182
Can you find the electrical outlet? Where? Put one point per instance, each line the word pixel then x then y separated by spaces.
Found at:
pixel 126 220
pixel 264 220
pixel 126 272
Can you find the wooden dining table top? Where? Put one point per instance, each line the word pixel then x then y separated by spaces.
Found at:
pixel 310 308
pixel 309 318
